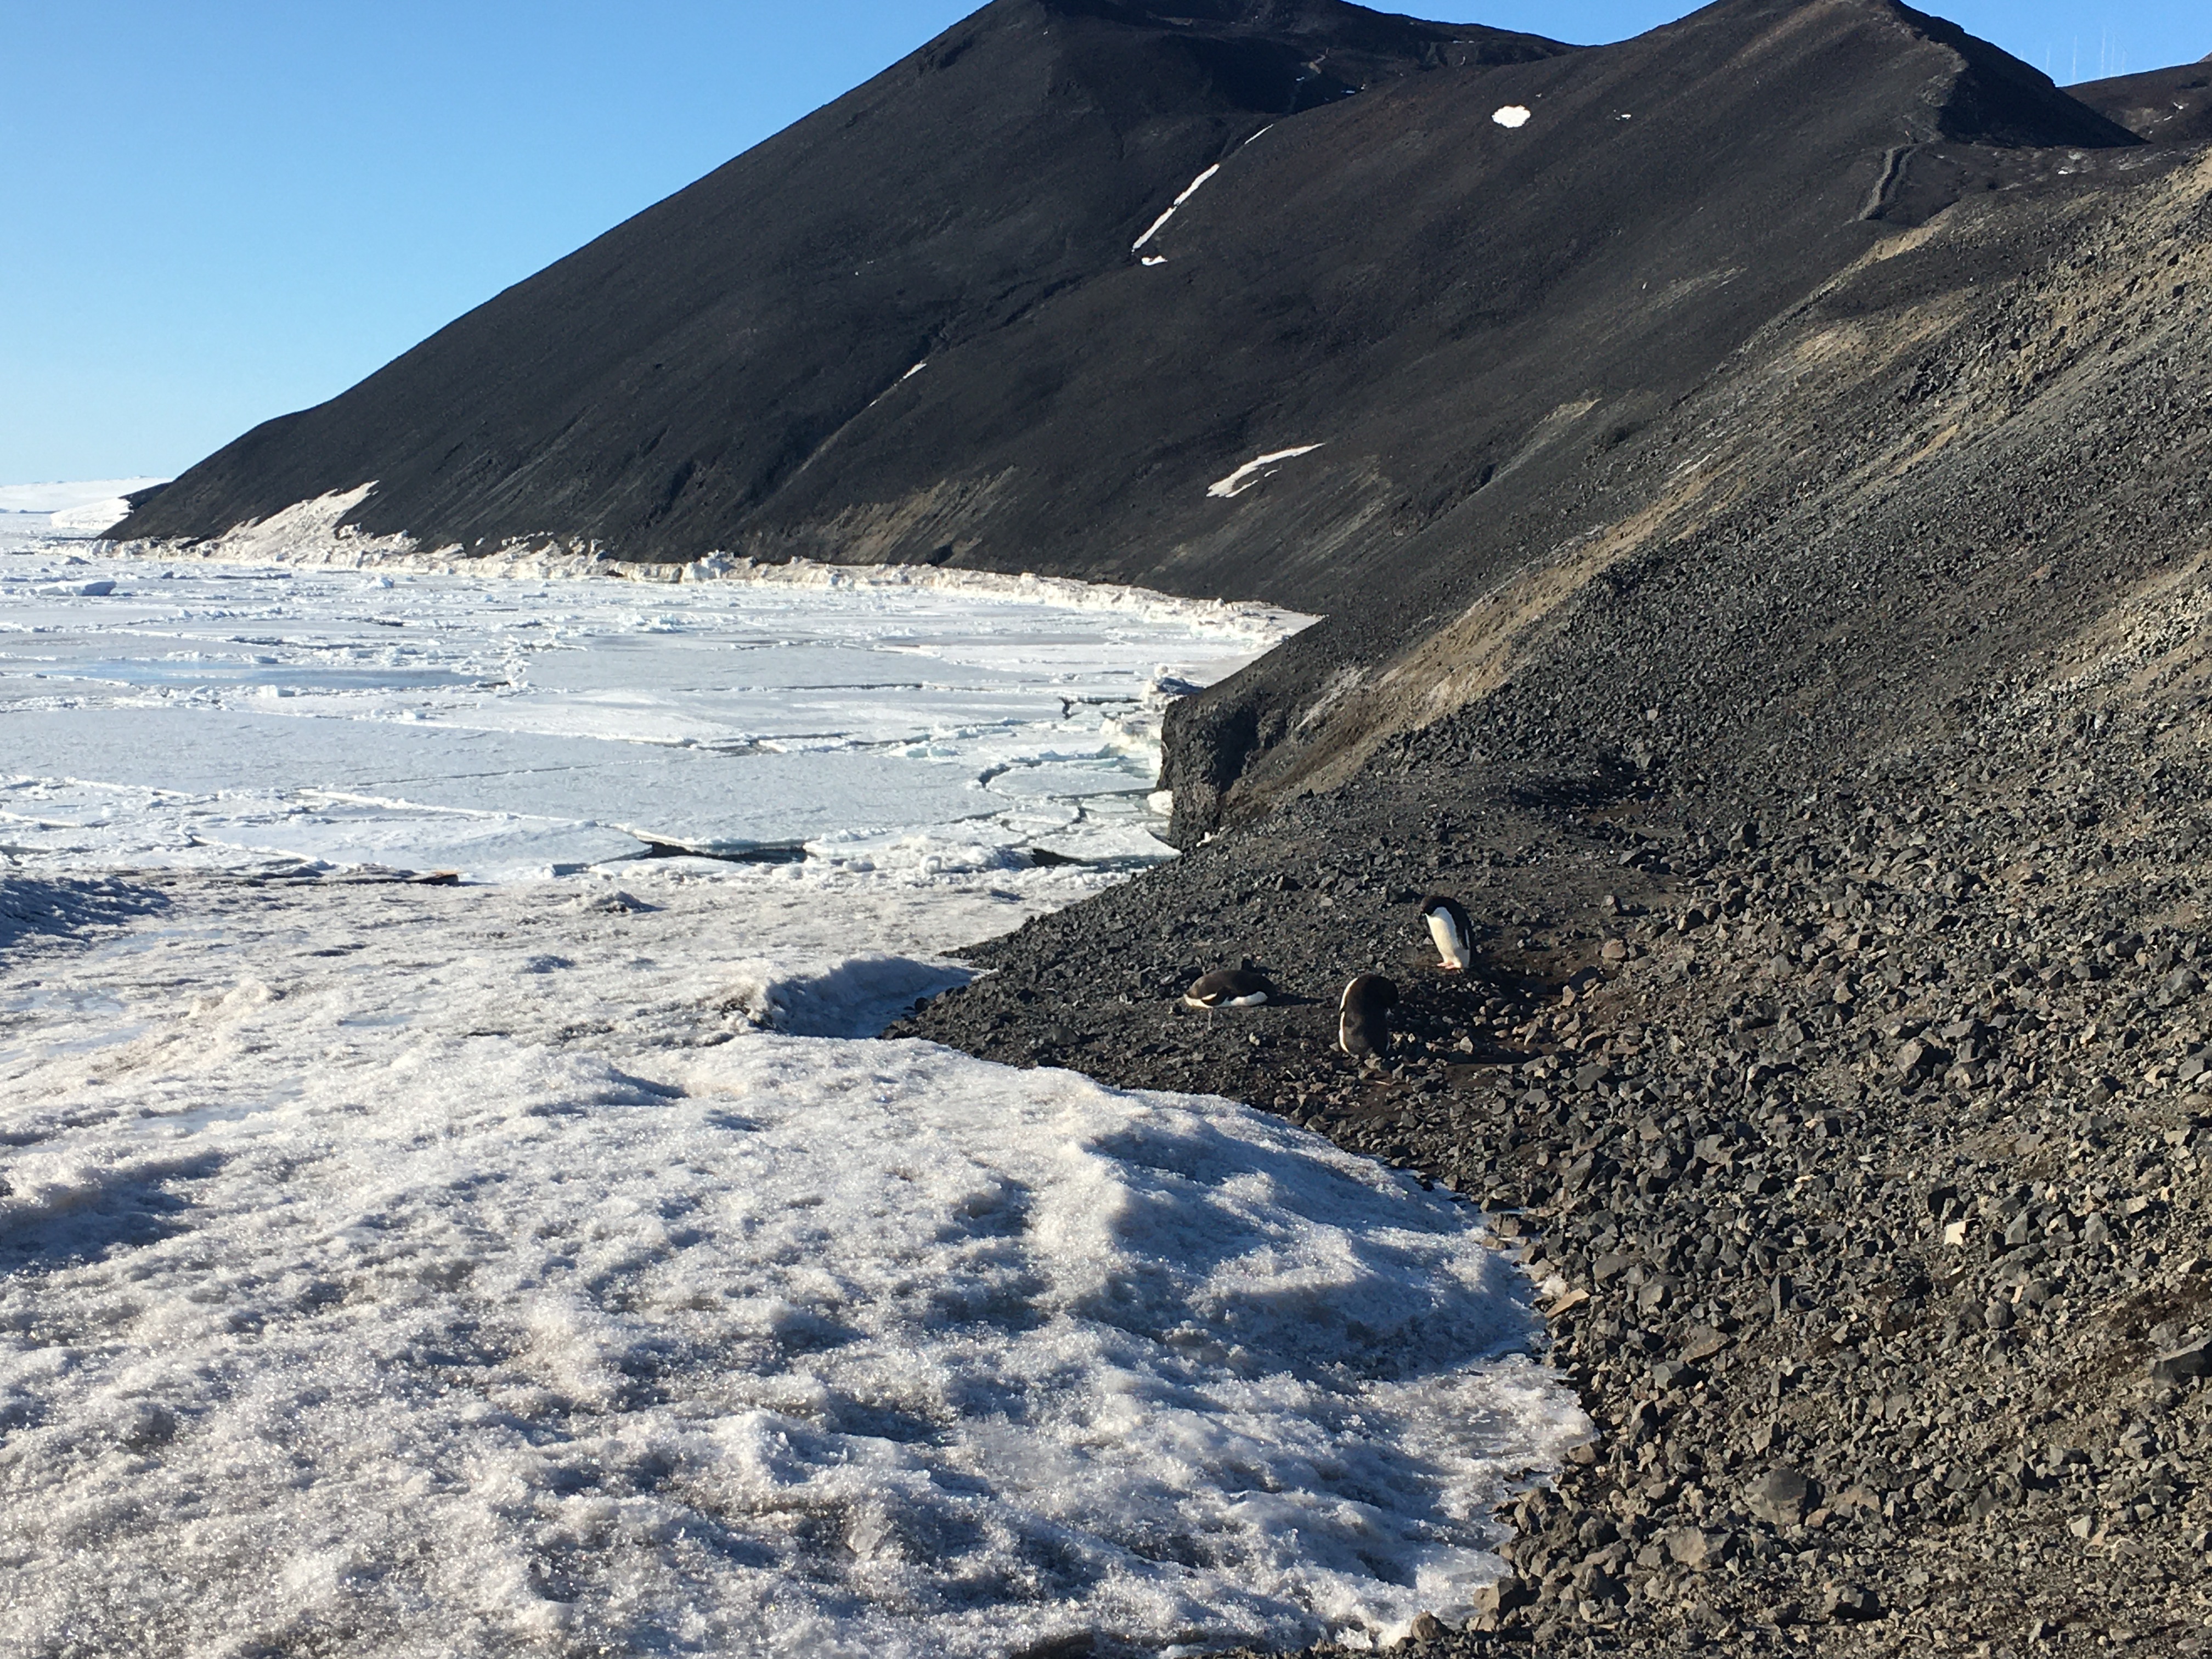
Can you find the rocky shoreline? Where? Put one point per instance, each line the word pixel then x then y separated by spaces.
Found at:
pixel 1857 1139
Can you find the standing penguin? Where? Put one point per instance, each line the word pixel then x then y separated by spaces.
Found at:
pixel 1363 1022
pixel 1451 930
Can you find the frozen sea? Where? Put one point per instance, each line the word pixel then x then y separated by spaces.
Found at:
pixel 551 1262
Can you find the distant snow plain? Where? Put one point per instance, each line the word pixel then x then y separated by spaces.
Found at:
pixel 553 1263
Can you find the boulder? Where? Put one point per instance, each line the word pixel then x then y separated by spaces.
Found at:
pixel 1780 1497
pixel 2183 1364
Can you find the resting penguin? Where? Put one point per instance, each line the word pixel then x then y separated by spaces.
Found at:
pixel 1229 988
pixel 1449 927
pixel 1363 1025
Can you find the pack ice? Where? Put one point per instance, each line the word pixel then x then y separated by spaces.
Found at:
pixel 215 715
pixel 554 1267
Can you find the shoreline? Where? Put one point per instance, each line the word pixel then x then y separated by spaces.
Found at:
pixel 673 1035
pixel 388 891
pixel 309 535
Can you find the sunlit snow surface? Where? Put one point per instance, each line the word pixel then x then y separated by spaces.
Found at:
pixel 547 1267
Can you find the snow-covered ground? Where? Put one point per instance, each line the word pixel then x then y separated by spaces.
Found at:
pixel 553 1266
pixel 82 508
pixel 39 500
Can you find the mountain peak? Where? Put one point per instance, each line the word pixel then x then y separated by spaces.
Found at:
pixel 1998 99
pixel 1061 209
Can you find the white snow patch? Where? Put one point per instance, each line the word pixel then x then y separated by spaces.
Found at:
pixel 1253 470
pixel 915 370
pixel 550 1266
pixel 1190 190
pixel 415 1272
pixel 307 534
pixel 1513 115
pixel 69 497
pixel 1155 259
pixel 91 519
pixel 547 1266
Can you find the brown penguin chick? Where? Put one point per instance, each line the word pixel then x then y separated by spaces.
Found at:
pixel 1229 988
pixel 1363 1021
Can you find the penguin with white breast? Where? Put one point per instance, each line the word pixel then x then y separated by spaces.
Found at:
pixel 1451 930
pixel 1229 988
pixel 1362 1020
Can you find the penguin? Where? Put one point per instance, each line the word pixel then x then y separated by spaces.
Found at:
pixel 1363 1025
pixel 1229 988
pixel 1451 930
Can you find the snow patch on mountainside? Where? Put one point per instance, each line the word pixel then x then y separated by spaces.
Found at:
pixel 1160 224
pixel 1253 470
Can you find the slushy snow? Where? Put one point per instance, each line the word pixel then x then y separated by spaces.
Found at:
pixel 555 1267
pixel 470 1271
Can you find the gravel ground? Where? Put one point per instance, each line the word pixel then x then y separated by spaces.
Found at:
pixel 1857 1139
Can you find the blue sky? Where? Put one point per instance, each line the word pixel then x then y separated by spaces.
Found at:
pixel 211 214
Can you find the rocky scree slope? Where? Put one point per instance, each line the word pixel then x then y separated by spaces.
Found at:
pixel 2168 106
pixel 1837 1052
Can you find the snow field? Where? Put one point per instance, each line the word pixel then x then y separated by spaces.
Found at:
pixel 44 499
pixel 465 1271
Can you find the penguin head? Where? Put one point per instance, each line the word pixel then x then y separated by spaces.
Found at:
pixel 1369 991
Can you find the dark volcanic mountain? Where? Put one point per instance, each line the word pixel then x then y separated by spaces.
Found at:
pixel 667 389
pixel 1448 305
pixel 1452 317
pixel 2168 106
